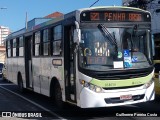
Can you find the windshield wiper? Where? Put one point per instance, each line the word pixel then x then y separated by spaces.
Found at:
pixel 107 34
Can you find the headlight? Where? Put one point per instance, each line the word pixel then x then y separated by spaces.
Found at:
pixel 91 86
pixel 148 84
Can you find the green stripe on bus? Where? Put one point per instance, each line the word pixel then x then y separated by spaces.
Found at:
pixel 121 83
pixel 156 61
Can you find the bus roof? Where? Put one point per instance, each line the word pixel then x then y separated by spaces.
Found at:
pixel 113 7
pixel 30 25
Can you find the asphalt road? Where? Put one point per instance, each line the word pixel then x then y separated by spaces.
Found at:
pixel 30 104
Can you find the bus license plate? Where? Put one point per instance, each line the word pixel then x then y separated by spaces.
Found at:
pixel 125 97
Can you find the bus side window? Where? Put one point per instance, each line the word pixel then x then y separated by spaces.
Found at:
pixel 9 48
pixel 14 47
pixel 57 38
pixel 21 46
pixel 46 42
pixel 36 44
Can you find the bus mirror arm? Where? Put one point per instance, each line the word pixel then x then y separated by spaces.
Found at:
pixel 77 36
pixel 76 25
pixel 77 33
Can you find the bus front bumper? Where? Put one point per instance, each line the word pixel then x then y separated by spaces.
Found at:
pixel 90 99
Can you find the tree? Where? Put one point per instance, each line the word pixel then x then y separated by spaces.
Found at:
pixel 139 3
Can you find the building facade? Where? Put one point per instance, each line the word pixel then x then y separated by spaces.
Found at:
pixel 4 32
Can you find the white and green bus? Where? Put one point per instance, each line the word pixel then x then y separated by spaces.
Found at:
pixel 92 57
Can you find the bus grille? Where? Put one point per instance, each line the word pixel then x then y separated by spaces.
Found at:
pixel 121 75
pixel 114 88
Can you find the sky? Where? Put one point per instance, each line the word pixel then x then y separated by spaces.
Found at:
pixel 15 13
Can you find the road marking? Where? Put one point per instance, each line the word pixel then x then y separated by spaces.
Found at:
pixel 34 103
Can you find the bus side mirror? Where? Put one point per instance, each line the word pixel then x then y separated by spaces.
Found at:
pixel 77 36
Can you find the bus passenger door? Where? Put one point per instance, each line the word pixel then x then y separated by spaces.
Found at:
pixel 69 65
pixel 28 62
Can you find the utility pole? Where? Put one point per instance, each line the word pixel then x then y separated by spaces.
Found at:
pixel 94 3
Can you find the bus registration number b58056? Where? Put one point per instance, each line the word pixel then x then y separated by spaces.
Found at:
pixel 125 97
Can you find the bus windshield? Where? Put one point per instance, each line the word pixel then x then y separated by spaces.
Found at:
pixel 100 48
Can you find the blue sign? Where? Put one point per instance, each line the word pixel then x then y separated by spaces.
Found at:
pixel 134 59
pixel 126 53
pixel 127 65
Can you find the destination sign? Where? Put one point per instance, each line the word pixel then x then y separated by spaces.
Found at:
pixel 115 16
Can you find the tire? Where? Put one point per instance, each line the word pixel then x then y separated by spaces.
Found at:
pixel 3 78
pixel 20 84
pixel 57 95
